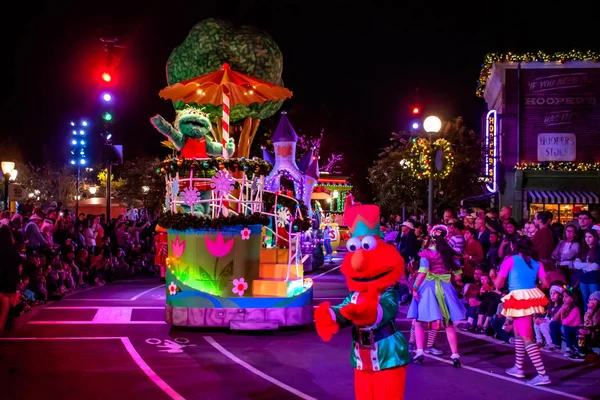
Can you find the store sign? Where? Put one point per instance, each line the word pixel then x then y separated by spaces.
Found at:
pixel 556 147
pixel 491 146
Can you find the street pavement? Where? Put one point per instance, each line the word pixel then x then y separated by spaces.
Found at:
pixel 111 342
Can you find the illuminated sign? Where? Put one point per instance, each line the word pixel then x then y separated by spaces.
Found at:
pixel 491 147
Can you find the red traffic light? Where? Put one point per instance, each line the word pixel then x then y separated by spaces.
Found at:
pixel 106 77
pixel 416 110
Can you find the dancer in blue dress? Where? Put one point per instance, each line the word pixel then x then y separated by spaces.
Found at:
pixel 435 301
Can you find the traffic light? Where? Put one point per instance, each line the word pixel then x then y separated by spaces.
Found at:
pixel 416 110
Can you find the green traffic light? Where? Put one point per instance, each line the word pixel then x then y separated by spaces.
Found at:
pixel 107 116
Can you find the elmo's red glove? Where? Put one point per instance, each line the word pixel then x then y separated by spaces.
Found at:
pixel 361 314
pixel 326 326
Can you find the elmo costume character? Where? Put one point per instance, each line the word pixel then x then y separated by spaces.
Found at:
pixel 372 267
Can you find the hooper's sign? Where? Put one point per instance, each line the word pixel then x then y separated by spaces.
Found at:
pixel 491 155
pixel 556 147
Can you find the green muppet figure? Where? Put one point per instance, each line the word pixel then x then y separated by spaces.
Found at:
pixel 190 135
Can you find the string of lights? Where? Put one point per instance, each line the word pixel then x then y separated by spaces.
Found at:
pixel 558 166
pixel 539 56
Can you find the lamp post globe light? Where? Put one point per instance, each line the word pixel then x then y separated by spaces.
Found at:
pixel 7 172
pixel 431 125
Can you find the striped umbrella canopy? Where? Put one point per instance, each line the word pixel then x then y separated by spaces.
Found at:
pixel 208 89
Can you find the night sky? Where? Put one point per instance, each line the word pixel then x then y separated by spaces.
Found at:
pixel 355 71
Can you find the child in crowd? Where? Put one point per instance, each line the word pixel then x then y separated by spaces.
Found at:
pixel 566 322
pixel 541 323
pixel 489 297
pixel 589 335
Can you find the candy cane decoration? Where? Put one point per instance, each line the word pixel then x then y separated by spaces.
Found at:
pixel 225 123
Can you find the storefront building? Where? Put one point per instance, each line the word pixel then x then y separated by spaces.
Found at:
pixel 542 132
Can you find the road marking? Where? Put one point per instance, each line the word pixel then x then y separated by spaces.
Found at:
pixel 255 371
pixel 95 323
pixel 148 371
pixel 134 298
pixel 135 356
pixel 506 378
pixel 112 315
pixel 104 315
pixel 326 272
pixel 97 307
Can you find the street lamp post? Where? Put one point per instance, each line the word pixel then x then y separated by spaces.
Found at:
pixel 7 171
pixel 432 124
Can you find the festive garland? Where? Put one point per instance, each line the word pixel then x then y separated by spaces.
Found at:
pixel 422 157
pixel 207 168
pixel 182 222
pixel 558 166
pixel 540 56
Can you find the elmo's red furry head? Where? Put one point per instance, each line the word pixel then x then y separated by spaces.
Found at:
pixel 371 264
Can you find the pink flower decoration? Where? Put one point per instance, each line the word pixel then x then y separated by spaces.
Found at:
pixel 172 289
pixel 177 247
pixel 239 286
pixel 219 247
pixel 245 233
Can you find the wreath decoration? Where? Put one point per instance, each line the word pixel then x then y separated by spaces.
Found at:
pixel 427 158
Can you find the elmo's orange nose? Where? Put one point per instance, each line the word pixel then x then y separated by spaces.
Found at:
pixel 358 260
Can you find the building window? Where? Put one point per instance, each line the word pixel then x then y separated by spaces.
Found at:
pixel 561 213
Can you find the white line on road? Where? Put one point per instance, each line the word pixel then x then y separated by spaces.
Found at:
pixel 95 323
pixel 326 272
pixel 164 386
pixel 250 368
pixel 135 356
pixel 97 307
pixel 112 315
pixel 134 298
pixel 505 378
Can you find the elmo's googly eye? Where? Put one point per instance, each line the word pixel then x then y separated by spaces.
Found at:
pixel 369 243
pixel 353 244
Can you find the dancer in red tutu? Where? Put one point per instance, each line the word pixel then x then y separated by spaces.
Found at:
pixel 524 300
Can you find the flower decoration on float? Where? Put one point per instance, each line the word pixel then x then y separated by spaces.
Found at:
pixel 245 233
pixel 239 286
pixel 540 56
pixel 558 166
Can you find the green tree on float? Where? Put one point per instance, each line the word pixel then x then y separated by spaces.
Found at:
pixel 394 184
pixel 248 50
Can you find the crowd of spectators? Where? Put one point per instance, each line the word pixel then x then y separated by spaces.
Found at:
pixel 482 239
pixel 48 253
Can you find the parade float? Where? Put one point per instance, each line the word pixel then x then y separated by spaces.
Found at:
pixel 221 204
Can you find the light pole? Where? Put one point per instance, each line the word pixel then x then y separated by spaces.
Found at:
pixel 78 145
pixel 432 124
pixel 7 170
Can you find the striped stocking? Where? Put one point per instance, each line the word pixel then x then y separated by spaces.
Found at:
pixel 412 334
pixel 432 334
pixel 519 353
pixel 533 351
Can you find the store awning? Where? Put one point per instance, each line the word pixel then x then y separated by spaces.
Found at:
pixel 562 197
